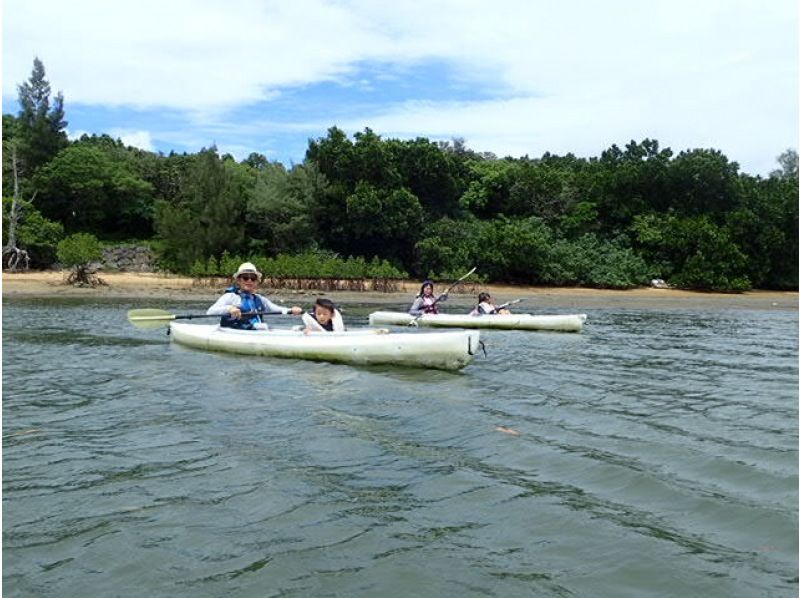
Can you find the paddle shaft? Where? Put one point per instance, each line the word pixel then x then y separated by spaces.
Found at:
pixel 193 316
pixel 153 318
pixel 244 313
pixel 514 302
pixel 455 284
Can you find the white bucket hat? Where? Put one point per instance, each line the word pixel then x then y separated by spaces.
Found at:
pixel 247 268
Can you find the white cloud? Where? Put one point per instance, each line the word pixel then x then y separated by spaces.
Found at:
pixel 180 54
pixel 570 76
pixel 140 139
pixel 189 54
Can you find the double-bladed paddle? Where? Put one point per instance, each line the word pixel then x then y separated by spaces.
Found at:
pixel 156 318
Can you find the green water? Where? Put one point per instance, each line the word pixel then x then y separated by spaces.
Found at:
pixel 656 456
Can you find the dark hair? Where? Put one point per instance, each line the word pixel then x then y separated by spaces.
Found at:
pixel 425 283
pixel 326 304
pixel 483 297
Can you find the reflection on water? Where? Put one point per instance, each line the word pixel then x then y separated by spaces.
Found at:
pixel 653 443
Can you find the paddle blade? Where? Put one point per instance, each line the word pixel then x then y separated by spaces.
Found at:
pixel 150 318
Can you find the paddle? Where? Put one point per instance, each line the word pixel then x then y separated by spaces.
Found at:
pixel 447 290
pixel 156 318
pixel 514 302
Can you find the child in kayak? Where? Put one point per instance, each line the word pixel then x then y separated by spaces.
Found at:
pixel 486 306
pixel 425 302
pixel 241 298
pixel 323 317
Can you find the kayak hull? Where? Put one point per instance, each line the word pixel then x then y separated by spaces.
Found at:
pixel 560 323
pixel 439 350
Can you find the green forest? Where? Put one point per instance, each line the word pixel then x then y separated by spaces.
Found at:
pixel 406 208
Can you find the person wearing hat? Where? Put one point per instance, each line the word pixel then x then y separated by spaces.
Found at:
pixel 425 302
pixel 240 306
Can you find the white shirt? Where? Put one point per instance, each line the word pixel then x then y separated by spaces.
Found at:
pixel 220 308
pixel 487 308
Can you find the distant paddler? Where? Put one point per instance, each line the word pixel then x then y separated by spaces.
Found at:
pixel 426 302
pixel 486 306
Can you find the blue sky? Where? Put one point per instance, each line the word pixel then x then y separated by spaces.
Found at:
pixel 511 77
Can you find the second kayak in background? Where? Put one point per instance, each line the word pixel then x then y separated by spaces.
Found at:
pixel 560 323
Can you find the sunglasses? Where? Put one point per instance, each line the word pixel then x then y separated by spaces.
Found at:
pixel 248 277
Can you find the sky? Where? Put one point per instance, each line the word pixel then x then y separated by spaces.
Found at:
pixel 510 77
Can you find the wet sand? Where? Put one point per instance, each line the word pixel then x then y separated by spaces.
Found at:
pixel 173 288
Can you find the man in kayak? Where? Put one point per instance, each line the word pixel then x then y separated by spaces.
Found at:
pixel 486 306
pixel 323 317
pixel 241 298
pixel 425 302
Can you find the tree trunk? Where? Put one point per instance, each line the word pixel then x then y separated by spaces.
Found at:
pixel 13 216
pixel 17 258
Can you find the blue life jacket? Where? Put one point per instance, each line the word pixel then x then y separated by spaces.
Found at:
pixel 249 303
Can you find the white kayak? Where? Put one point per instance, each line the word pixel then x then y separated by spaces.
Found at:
pixel 440 350
pixel 562 323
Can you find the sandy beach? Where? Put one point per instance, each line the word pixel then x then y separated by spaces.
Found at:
pixel 160 286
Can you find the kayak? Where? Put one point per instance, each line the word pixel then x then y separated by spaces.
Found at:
pixel 562 323
pixel 439 350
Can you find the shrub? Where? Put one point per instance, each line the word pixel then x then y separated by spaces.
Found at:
pixel 78 251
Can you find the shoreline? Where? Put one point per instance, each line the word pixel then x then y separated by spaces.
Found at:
pixel 128 285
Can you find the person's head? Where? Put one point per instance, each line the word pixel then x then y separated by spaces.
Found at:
pixel 247 276
pixel 323 310
pixel 484 298
pixel 426 288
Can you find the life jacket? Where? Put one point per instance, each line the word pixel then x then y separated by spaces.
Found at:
pixel 483 309
pixel 249 303
pixel 335 324
pixel 429 305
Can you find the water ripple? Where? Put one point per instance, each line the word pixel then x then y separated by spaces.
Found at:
pixel 653 442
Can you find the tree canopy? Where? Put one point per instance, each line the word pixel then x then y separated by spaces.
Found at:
pixel 40 126
pixel 635 212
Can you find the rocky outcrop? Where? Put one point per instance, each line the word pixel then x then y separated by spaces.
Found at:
pixel 129 259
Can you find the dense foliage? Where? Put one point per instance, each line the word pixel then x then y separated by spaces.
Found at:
pixel 415 206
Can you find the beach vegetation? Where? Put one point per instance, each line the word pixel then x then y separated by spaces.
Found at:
pixel 80 252
pixel 418 207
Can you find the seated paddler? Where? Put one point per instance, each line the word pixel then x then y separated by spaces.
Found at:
pixel 324 317
pixel 486 306
pixel 426 302
pixel 242 307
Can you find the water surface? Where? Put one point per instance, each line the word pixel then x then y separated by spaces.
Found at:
pixel 656 455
